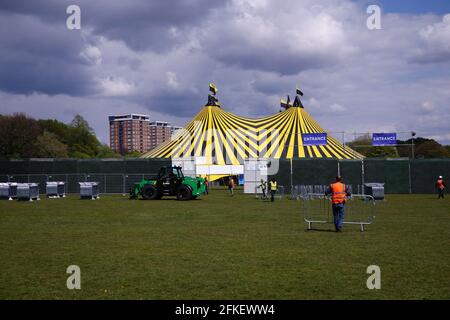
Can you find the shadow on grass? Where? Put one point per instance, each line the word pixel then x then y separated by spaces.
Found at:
pixel 320 230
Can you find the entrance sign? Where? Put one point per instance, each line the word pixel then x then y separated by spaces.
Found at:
pixel 314 139
pixel 384 139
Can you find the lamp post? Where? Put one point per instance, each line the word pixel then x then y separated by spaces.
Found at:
pixel 413 134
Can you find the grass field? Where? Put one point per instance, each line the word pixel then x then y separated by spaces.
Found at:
pixel 219 247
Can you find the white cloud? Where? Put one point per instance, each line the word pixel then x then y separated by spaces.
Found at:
pixel 435 42
pixel 172 81
pixel 92 55
pixel 283 37
pixel 438 33
pixel 173 31
pixel 428 106
pixel 337 108
pixel 112 86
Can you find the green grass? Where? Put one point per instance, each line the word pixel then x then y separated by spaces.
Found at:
pixel 219 247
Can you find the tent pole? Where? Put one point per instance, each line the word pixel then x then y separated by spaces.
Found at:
pixel 292 181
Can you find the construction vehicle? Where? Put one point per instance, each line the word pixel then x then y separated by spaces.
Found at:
pixel 170 181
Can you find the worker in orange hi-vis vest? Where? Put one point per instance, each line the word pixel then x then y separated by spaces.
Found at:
pixel 339 193
pixel 440 185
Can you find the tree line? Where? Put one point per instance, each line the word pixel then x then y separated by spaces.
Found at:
pixel 25 137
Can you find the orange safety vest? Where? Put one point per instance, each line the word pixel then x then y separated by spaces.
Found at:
pixel 440 184
pixel 338 193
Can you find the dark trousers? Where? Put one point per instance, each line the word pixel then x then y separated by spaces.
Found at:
pixel 338 214
pixel 441 193
pixel 272 194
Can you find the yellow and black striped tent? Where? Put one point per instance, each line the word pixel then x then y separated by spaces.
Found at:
pixel 224 138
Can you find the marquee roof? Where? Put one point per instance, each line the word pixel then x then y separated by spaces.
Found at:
pixel 225 138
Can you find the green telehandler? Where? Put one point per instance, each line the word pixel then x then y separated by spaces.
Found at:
pixel 170 181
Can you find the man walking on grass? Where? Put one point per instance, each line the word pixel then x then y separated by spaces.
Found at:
pixel 440 185
pixel 206 186
pixel 273 189
pixel 263 187
pixel 231 186
pixel 339 193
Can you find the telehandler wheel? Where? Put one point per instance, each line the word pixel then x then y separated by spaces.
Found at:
pixel 184 193
pixel 149 192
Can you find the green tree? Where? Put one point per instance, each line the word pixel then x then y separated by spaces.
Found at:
pixel 18 136
pixel 133 154
pixel 431 149
pixel 82 140
pixel 60 129
pixel 106 152
pixel 48 146
pixel 423 148
pixel 24 137
pixel 79 122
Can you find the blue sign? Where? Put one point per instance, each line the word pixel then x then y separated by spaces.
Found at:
pixel 384 139
pixel 241 180
pixel 314 139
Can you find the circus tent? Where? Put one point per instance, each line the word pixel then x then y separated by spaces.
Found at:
pixel 222 137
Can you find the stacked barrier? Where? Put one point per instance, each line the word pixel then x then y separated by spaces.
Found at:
pixel 89 190
pixel 28 191
pixel 55 189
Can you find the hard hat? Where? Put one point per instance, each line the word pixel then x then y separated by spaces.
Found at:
pixel 440 177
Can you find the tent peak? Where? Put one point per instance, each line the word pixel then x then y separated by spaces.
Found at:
pixel 286 104
pixel 213 101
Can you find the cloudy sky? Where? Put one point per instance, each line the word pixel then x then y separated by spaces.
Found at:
pixel 158 57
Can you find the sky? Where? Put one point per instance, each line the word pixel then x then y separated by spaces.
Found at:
pixel 158 58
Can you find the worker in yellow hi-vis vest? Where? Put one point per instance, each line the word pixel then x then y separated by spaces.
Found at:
pixel 273 189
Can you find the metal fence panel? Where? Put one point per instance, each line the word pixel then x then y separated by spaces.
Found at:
pixel 90 166
pixel 100 178
pixel 306 171
pixel 19 178
pixel 280 192
pixel 114 183
pixel 351 170
pixel 399 175
pixel 393 172
pixel 424 174
pixel 14 166
pixel 131 179
pixel 314 171
pixel 359 210
pixel 40 179
pixel 73 182
pixel 40 166
pixel 64 166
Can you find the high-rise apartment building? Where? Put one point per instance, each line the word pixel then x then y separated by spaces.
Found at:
pixel 160 131
pixel 128 133
pixel 135 132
